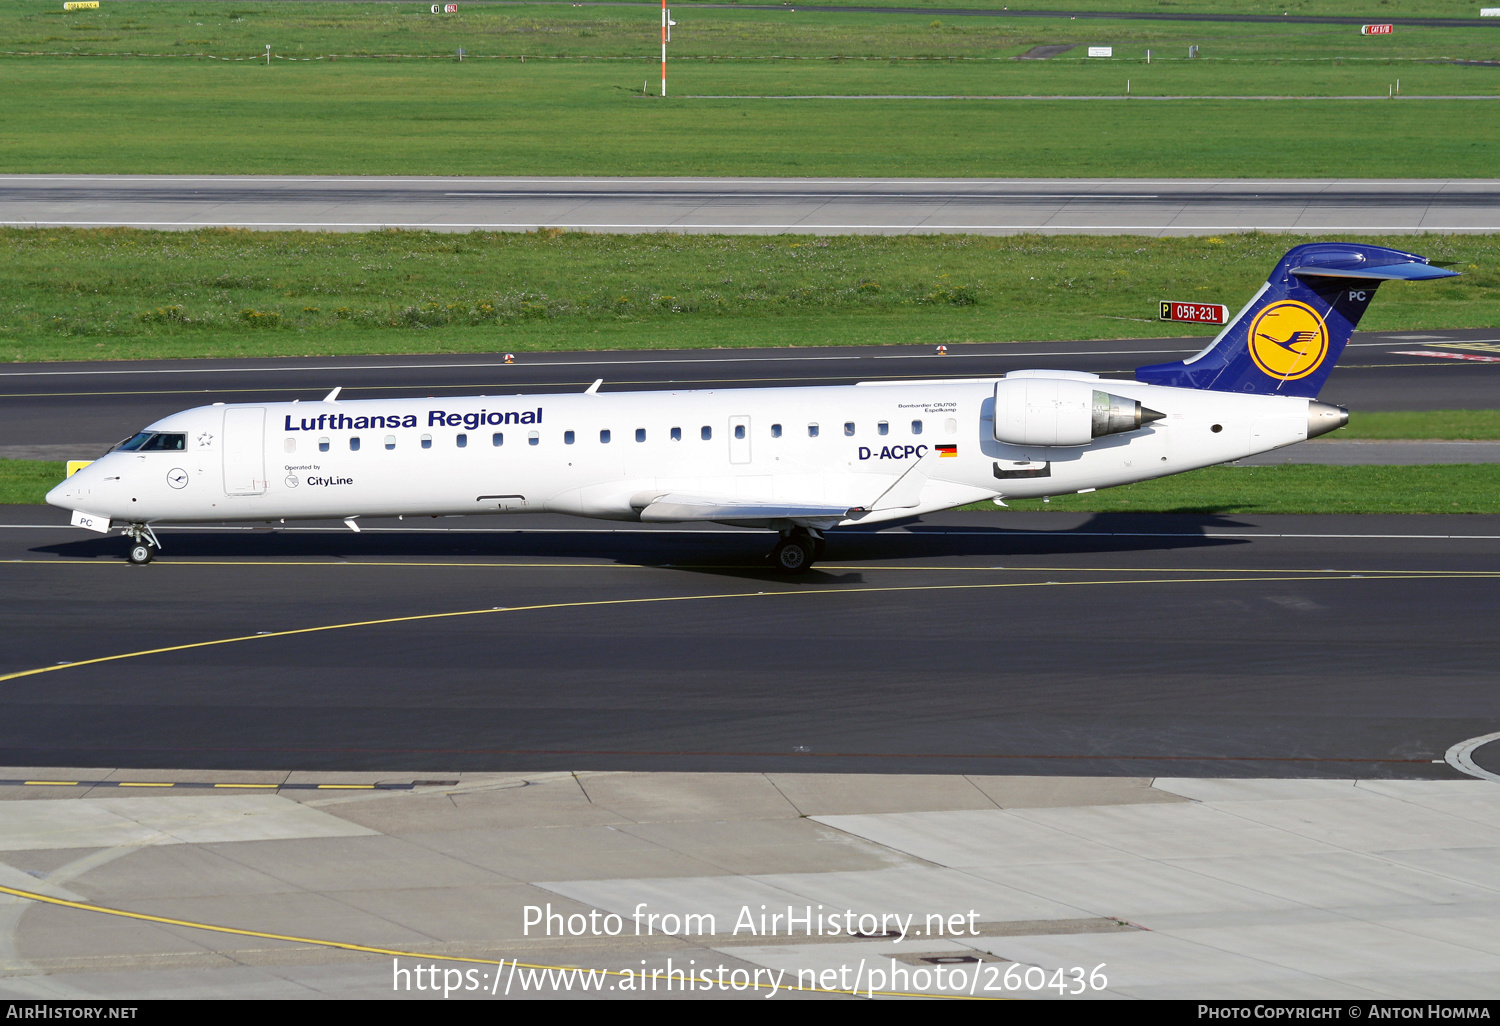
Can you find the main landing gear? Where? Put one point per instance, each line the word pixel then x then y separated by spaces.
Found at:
pixel 143 544
pixel 797 550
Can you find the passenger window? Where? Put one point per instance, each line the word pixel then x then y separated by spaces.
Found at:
pixel 532 438
pixel 677 434
pixel 427 441
pixel 498 438
pixel 568 437
pixel 640 434
pixel 884 427
pixel 462 441
pixel 604 436
pixel 848 427
pixel 812 431
pixel 390 441
pixel 775 430
pixel 950 426
pixel 322 445
pixel 739 431
pixel 706 433
pixel 290 445
pixel 916 427
pixel 354 443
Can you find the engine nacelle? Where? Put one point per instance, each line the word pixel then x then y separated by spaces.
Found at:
pixel 1056 411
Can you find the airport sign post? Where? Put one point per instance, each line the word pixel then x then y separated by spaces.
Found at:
pixel 666 37
pixel 1196 313
pixel 1376 30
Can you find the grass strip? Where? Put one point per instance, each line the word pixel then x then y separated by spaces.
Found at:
pixel 304 30
pixel 1468 488
pixel 1297 488
pixel 87 294
pixel 29 481
pixel 1447 425
pixel 503 117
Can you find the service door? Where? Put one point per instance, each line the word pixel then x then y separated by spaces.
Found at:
pixel 245 451
pixel 739 439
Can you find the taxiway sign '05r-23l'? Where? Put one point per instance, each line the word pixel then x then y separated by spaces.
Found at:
pixel 799 460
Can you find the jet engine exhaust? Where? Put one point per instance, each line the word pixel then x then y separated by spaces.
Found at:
pixel 1113 414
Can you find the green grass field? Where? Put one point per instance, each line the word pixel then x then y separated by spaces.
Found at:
pixel 319 29
pixel 68 294
pixel 184 114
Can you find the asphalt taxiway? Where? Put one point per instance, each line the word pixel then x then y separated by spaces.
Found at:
pixel 755 205
pixel 963 643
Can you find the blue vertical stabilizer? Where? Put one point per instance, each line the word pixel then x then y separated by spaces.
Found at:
pixel 1287 339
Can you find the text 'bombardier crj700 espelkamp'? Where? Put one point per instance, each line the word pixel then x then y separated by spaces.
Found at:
pixel 799 461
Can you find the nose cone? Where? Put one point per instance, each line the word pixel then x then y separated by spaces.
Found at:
pixel 71 492
pixel 1325 417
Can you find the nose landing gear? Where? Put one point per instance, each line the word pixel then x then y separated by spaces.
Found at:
pixel 143 544
pixel 797 550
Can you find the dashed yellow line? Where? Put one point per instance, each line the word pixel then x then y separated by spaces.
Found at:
pixel 801 592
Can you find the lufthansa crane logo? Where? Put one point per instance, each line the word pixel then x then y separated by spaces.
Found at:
pixel 1288 340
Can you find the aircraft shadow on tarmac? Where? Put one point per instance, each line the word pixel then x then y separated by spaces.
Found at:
pixel 687 550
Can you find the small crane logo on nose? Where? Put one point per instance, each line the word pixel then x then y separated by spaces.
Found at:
pixel 177 478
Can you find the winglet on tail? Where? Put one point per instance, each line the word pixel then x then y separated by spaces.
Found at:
pixel 1288 337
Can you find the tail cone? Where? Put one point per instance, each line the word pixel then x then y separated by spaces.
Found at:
pixel 1325 417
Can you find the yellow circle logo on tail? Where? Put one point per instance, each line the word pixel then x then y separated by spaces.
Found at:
pixel 1288 340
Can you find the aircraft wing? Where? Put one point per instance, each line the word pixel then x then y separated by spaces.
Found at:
pixel 681 506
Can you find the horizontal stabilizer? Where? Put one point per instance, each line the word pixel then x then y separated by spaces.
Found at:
pixel 1390 272
pixel 676 507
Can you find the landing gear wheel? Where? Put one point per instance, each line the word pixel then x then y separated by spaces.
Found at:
pixel 140 553
pixel 793 555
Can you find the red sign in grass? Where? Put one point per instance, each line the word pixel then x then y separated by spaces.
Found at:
pixel 1198 313
pixel 1376 30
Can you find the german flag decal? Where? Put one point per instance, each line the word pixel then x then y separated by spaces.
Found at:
pixel 945 451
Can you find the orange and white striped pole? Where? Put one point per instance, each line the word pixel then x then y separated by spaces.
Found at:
pixel 665 35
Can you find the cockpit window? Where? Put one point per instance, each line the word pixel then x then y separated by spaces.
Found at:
pixel 164 441
pixel 155 441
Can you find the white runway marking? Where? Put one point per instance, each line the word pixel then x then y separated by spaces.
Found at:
pixel 1461 757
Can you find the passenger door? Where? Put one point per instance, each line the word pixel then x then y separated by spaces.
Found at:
pixel 245 451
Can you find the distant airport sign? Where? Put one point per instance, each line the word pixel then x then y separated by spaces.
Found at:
pixel 81 5
pixel 1376 30
pixel 1101 51
pixel 1197 313
pixel 445 8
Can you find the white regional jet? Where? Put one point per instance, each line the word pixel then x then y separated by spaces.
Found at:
pixel 799 461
